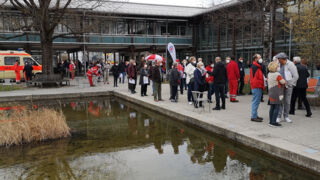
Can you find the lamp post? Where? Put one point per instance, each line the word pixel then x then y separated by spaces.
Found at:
pixel 290 38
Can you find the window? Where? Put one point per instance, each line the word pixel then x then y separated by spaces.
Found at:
pixel 29 61
pixel 10 61
pixel 122 28
pixel 1 23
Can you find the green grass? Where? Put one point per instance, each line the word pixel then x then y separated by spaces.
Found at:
pixel 10 87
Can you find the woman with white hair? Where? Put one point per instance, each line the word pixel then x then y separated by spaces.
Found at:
pixel 199 80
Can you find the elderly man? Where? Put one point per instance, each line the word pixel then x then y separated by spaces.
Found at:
pixel 289 72
pixel 257 86
pixel 156 78
pixel 301 87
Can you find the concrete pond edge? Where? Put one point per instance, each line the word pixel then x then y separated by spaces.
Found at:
pixel 296 158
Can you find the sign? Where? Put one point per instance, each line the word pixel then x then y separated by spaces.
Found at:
pixel 172 51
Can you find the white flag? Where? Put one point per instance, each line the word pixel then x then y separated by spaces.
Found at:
pixel 172 51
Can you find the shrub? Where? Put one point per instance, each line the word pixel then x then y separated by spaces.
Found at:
pixel 25 126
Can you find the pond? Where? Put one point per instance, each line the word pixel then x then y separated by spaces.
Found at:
pixel 113 139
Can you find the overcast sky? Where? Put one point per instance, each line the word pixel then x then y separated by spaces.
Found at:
pixel 197 3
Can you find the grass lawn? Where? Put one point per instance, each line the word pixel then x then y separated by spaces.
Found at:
pixel 10 87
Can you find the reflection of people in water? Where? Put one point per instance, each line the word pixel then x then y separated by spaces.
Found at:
pixel 157 134
pixel 197 149
pixel 176 139
pixel 133 123
pixel 107 107
pixel 94 111
pixel 220 158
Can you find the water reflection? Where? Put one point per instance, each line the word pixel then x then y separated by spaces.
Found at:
pixel 113 139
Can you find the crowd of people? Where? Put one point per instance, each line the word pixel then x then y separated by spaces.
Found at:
pixel 284 80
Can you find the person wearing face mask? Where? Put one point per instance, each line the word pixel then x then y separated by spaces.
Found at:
pixel 189 70
pixel 289 72
pixel 132 75
pixel 199 80
pixel 183 84
pixel 174 82
pixel 210 79
pixel 226 89
pixel 242 74
pixel 115 72
pixel 233 77
pixel 144 79
pixel 257 87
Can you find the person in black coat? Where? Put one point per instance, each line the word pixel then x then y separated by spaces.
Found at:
pixel 242 74
pixel 301 87
pixel 199 80
pixel 28 71
pixel 122 71
pixel 115 73
pixel 220 78
pixel 144 79
pixel 174 82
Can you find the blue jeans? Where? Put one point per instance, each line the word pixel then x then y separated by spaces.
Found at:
pixel 256 98
pixel 210 91
pixel 123 76
pixel 190 89
pixel 273 113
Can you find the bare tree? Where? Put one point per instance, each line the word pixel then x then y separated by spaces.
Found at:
pixel 44 16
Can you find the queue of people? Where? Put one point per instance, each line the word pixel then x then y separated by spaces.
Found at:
pixel 284 80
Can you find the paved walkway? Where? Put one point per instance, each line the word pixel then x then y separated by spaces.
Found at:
pixel 301 137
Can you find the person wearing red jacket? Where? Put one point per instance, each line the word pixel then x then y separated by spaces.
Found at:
pixel 17 71
pixel 209 80
pixel 72 68
pixel 233 76
pixel 91 72
pixel 257 86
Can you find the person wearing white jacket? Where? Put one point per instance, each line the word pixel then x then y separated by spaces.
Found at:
pixel 290 73
pixel 189 70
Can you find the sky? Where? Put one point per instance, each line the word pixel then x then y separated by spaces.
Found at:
pixel 196 3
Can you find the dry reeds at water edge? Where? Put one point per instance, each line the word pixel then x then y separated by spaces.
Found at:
pixel 32 125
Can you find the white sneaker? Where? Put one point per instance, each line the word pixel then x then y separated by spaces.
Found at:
pixel 190 103
pixel 288 120
pixel 278 120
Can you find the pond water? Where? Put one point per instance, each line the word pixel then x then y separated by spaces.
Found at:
pixel 113 139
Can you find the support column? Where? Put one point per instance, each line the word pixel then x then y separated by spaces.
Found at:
pixel 132 48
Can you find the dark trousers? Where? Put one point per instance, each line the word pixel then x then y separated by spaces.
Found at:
pixel 302 94
pixel 219 91
pixel 190 89
pixel 210 91
pixel 226 87
pixel 241 85
pixel 174 90
pixel 182 85
pixel 115 80
pixel 273 113
pixel 144 89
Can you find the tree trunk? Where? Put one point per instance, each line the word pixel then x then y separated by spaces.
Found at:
pixel 47 57
pixel 233 38
pixel 266 30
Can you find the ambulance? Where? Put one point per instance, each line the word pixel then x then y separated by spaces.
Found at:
pixel 8 60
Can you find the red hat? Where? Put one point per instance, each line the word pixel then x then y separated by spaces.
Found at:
pixel 177 60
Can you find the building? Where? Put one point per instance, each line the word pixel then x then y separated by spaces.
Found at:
pixel 130 30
